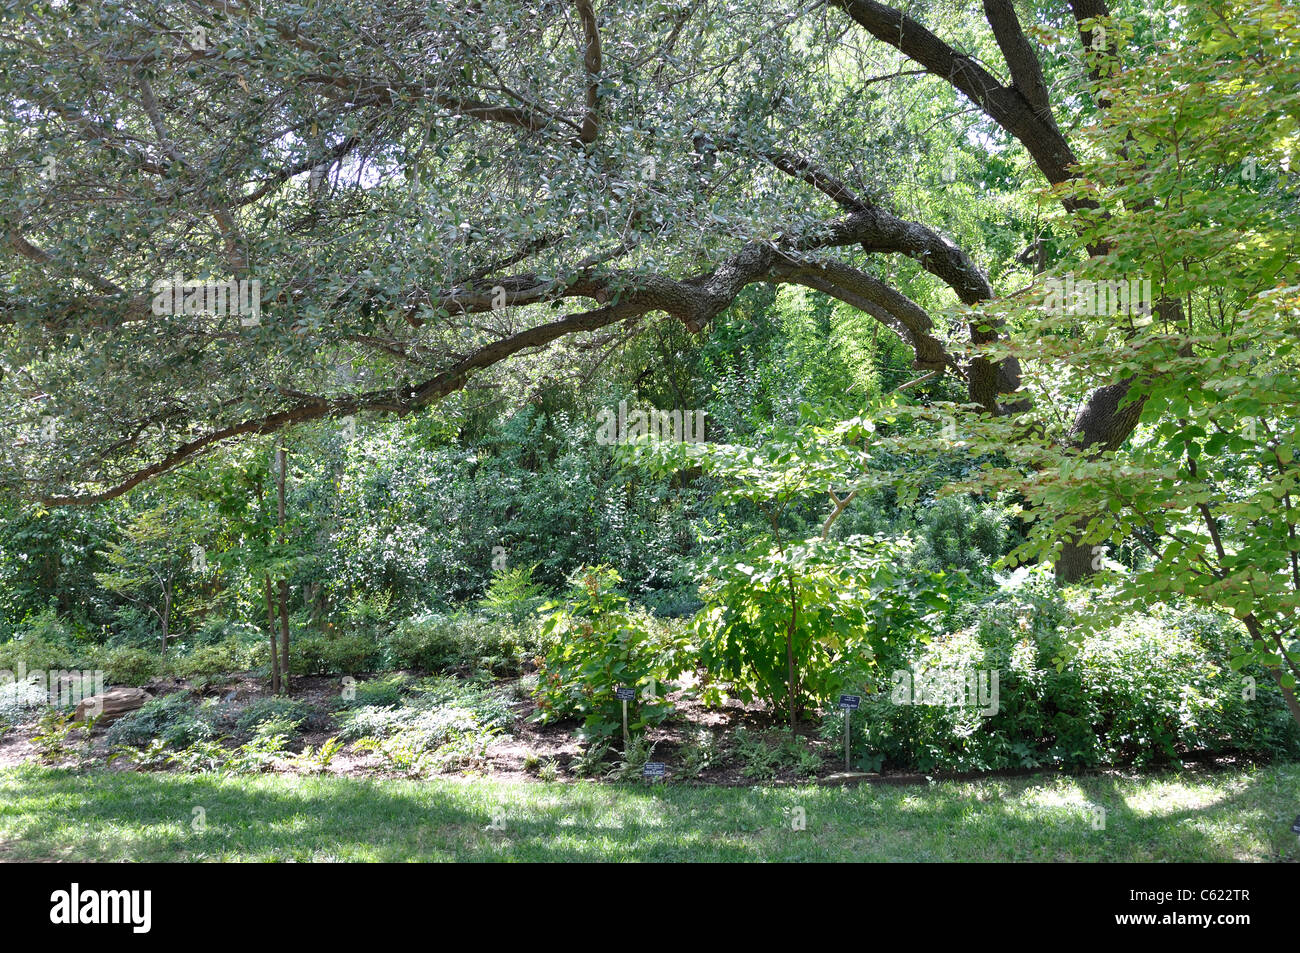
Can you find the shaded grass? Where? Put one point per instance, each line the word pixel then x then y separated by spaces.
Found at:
pixel 1239 814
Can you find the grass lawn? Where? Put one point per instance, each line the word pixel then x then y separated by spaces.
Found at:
pixel 1238 814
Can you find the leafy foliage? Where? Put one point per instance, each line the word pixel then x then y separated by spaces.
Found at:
pixel 600 645
pixel 171 720
pixel 1151 689
pixel 793 621
pixel 1207 486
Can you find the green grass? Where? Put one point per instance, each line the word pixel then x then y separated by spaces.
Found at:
pixel 1242 814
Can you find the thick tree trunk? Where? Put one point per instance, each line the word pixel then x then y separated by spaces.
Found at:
pixel 1074 564
pixel 1103 424
pixel 1023 109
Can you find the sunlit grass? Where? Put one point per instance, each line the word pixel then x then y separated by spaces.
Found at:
pixel 1243 814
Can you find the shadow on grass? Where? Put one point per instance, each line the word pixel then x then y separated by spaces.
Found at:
pixel 1190 815
pixel 59 815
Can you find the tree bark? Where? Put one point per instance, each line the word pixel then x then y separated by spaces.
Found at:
pixel 284 635
pixel 1023 109
pixel 166 622
pixel 1288 695
pixel 284 583
pixel 270 628
pixel 1251 622
pixel 1103 424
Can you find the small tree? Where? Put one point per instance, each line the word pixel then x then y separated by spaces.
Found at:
pixel 244 489
pixel 599 645
pixel 157 547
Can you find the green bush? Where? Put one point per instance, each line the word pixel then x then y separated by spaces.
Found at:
pixel 34 655
pixel 460 642
pixel 285 711
pixel 490 705
pixel 1146 690
pixel 128 666
pixel 379 692
pixel 211 663
pixel 133 627
pixel 171 719
pixel 762 757
pixel 44 643
pixel 429 642
pixel 957 533
pixel 46 626
pixel 601 645
pixel 337 653
pixel 853 600
pixel 370 612
pixel 216 630
pixel 512 594
pixel 677 603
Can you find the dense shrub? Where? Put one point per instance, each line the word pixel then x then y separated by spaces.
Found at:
pixel 378 692
pixel 48 647
pixel 128 666
pixel 676 603
pixel 45 643
pixel 461 642
pixel 512 594
pixel 34 654
pixel 852 600
pixel 210 664
pixel 602 645
pixel 1143 691
pixel 217 630
pixel 431 642
pixel 955 532
pixel 172 719
pixel 334 653
pixel 133 627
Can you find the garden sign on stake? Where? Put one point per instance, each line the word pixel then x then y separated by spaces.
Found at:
pixel 848 703
pixel 625 695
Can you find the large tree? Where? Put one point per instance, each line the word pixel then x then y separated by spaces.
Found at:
pixel 426 190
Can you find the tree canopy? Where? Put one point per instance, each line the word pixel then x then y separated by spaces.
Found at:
pixel 424 192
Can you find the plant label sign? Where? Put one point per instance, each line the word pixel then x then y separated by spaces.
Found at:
pixel 654 769
pixel 624 694
pixel 850 702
